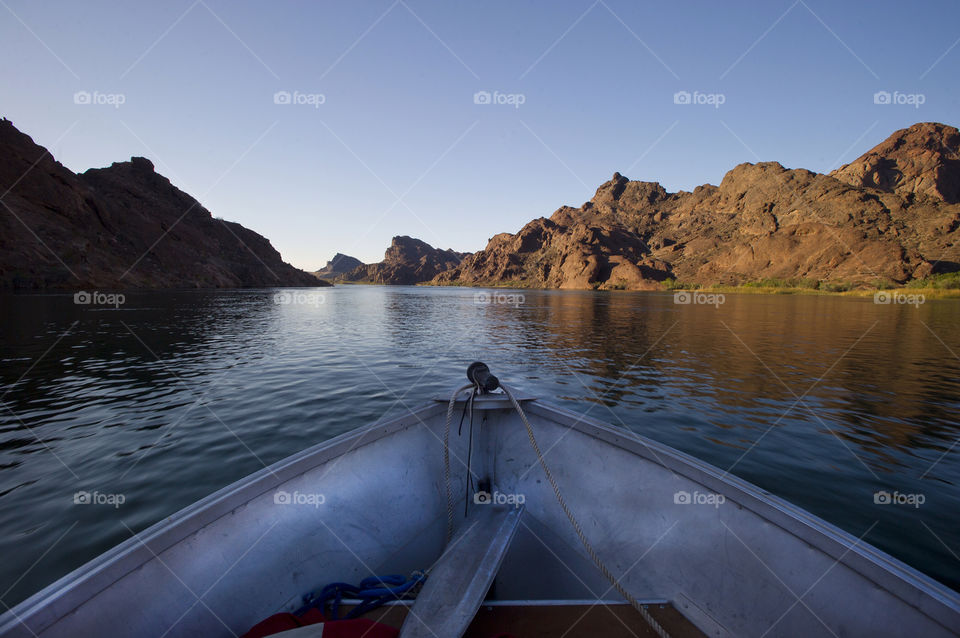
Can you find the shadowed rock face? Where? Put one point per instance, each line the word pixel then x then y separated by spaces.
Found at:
pixel 125 226
pixel 406 261
pixel 890 215
pixel 923 159
pixel 339 265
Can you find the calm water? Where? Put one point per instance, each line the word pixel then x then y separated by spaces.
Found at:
pixel 821 400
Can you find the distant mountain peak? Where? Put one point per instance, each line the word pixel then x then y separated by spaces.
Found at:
pixel 408 260
pixel 338 265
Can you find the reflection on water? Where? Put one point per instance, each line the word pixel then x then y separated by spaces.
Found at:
pixel 822 400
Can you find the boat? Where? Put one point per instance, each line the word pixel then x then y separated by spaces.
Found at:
pixel 524 515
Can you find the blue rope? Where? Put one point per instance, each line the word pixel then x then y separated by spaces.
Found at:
pixel 373 592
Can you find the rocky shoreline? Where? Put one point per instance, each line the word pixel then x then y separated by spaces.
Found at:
pixel 886 219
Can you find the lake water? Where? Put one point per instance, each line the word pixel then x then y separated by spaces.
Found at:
pixel 822 400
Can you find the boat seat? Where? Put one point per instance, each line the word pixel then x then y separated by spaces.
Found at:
pixel 461 578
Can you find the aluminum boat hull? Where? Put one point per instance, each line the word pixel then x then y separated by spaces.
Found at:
pixel 753 565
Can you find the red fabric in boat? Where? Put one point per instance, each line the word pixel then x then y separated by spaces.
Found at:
pixel 334 629
pixel 273 625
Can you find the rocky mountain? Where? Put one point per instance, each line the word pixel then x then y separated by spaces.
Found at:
pixel 120 227
pixel 406 261
pixel 339 265
pixel 923 160
pixel 889 216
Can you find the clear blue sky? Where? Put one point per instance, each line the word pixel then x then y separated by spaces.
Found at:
pixel 399 145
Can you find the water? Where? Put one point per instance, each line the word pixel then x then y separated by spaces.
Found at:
pixel 821 400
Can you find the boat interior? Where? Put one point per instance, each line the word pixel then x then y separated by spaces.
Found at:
pixel 698 551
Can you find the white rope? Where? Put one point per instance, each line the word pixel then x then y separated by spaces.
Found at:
pixel 660 631
pixel 446 459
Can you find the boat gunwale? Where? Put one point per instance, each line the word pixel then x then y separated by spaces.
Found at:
pixel 171 530
pixel 938 601
pixel 872 563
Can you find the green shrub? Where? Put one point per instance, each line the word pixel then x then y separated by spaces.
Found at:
pixel 884 284
pixel 836 286
pixel 773 282
pixel 672 284
pixel 943 281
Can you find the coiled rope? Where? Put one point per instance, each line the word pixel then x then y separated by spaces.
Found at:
pixel 373 592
